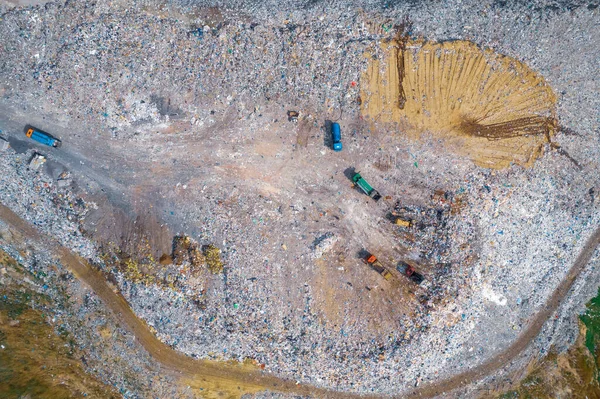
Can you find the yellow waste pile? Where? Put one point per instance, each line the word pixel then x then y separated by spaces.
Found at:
pixel 489 107
pixel 213 258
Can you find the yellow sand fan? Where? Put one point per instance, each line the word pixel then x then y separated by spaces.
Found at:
pixel 488 106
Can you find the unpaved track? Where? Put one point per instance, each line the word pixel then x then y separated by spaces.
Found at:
pixel 533 329
pixel 187 367
pixel 168 358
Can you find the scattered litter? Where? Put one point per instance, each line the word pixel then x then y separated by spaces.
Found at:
pixel 4 144
pixel 37 161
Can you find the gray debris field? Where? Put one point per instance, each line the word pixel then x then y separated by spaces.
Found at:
pixel 179 111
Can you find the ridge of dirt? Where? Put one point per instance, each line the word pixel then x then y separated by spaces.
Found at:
pixel 487 106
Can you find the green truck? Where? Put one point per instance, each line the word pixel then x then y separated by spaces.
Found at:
pixel 364 186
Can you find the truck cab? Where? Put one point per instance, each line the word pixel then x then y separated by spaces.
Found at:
pixel 336 136
pixel 410 272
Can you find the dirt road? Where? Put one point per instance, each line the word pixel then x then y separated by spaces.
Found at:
pixel 533 329
pixel 190 368
pixel 168 358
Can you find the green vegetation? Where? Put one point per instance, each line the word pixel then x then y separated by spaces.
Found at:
pixel 35 360
pixel 591 319
pixel 572 374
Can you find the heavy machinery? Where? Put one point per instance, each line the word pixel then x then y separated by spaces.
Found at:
pixel 403 222
pixel 42 137
pixel 372 260
pixel 410 272
pixel 365 187
pixel 400 221
pixel 336 136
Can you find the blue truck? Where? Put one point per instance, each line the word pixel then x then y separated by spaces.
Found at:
pixel 336 136
pixel 42 137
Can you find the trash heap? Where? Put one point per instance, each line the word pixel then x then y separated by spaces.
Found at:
pixel 264 269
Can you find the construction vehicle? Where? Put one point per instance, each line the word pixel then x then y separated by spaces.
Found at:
pixel 403 223
pixel 400 220
pixel 372 260
pixel 410 272
pixel 364 186
pixel 42 137
pixel 336 136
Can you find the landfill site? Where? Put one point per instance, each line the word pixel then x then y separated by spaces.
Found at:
pixel 277 199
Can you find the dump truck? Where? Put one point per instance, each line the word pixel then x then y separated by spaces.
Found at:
pixel 365 187
pixel 410 272
pixel 336 136
pixel 372 260
pixel 42 137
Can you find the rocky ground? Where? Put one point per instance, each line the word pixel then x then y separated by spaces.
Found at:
pixel 175 117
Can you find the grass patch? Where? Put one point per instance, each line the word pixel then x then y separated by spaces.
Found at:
pixel 35 361
pixel 591 319
pixel 572 374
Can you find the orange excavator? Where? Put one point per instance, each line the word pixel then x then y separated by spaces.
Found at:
pixel 372 260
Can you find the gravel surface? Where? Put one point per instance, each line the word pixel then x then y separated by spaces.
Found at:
pixel 193 100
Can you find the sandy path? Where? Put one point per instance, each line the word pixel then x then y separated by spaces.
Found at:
pixel 168 358
pixel 532 330
pixel 194 369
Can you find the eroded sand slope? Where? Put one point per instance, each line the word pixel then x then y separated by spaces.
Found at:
pixel 489 107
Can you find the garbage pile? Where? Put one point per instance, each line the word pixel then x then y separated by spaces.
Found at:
pixel 113 57
pixel 30 191
pixel 495 249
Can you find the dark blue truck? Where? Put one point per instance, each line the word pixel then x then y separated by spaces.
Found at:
pixel 42 137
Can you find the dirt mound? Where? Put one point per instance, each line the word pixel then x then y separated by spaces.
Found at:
pixel 487 106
